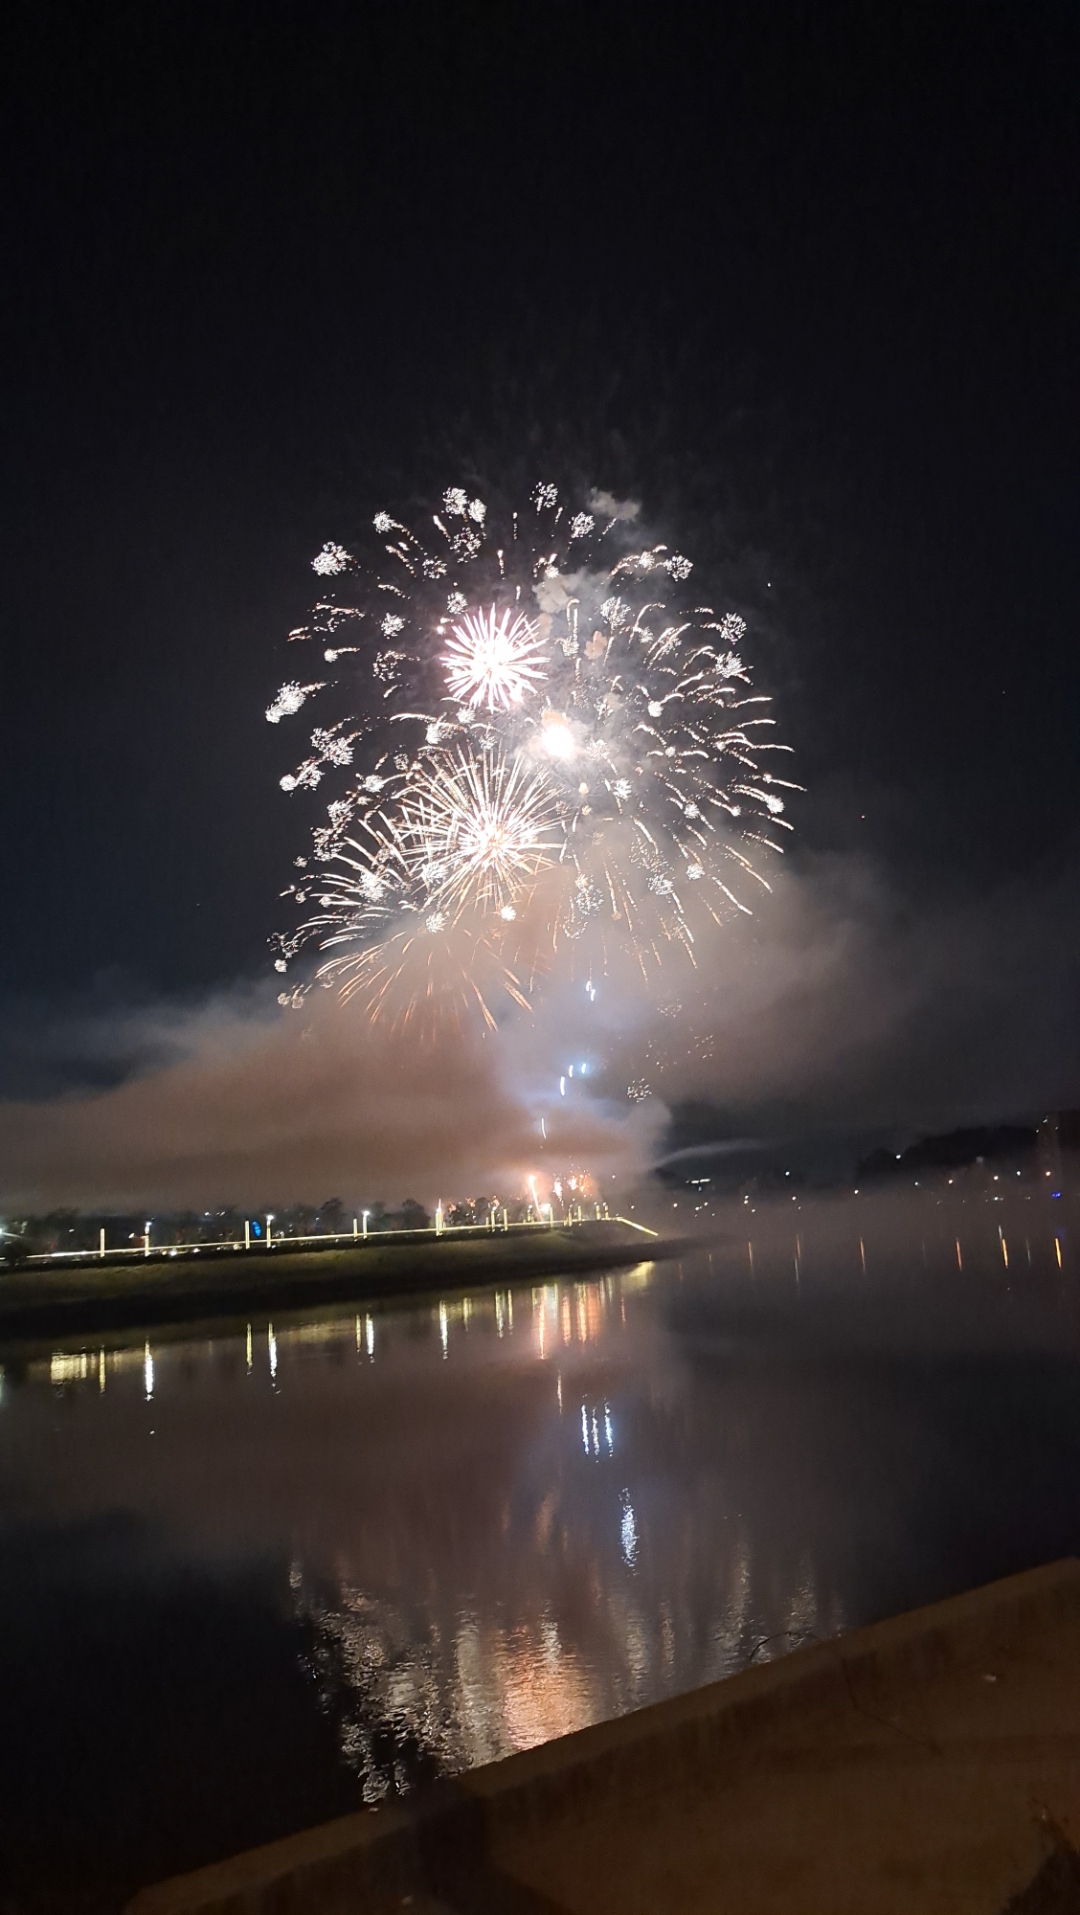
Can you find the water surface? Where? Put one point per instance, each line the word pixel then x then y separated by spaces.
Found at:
pixel 248 1581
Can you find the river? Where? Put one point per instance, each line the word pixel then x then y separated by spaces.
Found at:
pixel 252 1579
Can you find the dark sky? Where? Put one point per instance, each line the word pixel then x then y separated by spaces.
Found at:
pixel 802 277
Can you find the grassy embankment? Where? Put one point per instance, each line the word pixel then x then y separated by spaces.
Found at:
pixel 58 1301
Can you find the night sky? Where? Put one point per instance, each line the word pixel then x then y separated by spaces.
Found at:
pixel 802 278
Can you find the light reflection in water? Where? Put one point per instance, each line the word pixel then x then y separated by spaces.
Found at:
pixel 628 1532
pixel 471 1581
pixel 64 1368
pixel 466 1582
pixel 480 1571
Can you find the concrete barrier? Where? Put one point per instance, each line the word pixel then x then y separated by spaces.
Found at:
pixel 447 1843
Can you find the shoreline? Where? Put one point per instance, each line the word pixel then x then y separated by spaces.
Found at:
pixel 76 1302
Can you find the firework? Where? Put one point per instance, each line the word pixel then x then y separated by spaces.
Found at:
pixel 543 741
pixel 492 659
pixel 476 830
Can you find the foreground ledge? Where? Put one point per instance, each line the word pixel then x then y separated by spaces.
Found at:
pixel 929 1763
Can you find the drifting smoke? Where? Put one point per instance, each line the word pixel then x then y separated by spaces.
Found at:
pixel 258 1104
pixel 837 1011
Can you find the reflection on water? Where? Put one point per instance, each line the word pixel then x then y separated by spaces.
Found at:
pixel 492 1519
pixel 541 1570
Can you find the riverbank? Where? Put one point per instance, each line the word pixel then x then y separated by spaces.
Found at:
pixel 67 1302
pixel 925 1763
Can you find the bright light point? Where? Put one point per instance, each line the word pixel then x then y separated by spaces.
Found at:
pixel 558 739
pixel 562 1087
pixel 435 921
pixel 508 913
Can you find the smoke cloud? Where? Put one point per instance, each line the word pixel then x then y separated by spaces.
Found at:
pixel 845 1005
pixel 257 1103
pixel 609 507
pixel 840 1007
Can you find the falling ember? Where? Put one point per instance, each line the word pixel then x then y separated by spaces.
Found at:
pixel 541 744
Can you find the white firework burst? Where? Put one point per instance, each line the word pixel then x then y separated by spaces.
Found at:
pixel 480 829
pixel 331 560
pixel 494 659
pixel 555 749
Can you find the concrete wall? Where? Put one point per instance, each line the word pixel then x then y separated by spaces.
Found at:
pixel 367 1863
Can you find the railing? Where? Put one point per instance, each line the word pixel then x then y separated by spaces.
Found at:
pixel 498 1223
